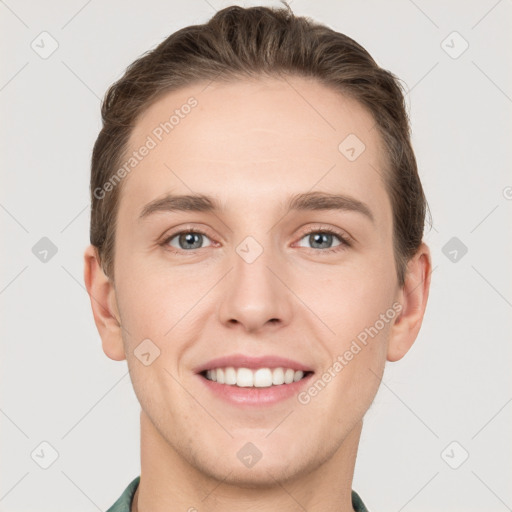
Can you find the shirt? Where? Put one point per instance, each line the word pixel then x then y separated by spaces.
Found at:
pixel 124 503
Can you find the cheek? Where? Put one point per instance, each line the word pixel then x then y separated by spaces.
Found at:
pixel 145 291
pixel 359 315
pixel 351 302
pixel 161 305
pixel 361 359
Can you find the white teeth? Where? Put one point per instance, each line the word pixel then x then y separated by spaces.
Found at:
pixel 260 378
pixel 244 378
pixel 278 376
pixel 288 376
pixel 230 376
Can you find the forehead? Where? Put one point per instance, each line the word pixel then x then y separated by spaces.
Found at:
pixel 247 140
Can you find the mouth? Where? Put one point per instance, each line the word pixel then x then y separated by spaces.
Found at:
pixel 242 377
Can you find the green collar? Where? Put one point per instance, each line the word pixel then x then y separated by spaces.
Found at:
pixel 124 503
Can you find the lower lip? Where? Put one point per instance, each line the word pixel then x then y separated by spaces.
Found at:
pixel 253 396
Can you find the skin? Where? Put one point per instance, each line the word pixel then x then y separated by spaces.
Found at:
pixel 251 144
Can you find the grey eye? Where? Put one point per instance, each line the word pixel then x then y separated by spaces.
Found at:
pixel 188 240
pixel 320 239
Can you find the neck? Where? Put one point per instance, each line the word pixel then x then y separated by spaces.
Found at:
pixel 169 482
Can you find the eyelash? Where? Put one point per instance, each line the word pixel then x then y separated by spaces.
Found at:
pixel 330 231
pixel 345 242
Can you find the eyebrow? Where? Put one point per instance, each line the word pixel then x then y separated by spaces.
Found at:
pixel 308 201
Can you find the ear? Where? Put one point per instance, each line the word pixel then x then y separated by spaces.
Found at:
pixel 413 298
pixel 104 305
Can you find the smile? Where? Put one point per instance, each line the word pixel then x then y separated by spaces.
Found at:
pixel 258 378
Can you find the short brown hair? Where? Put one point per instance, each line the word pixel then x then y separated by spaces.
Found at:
pixel 254 42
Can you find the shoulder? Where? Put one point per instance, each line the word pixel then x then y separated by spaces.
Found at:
pixel 123 504
pixel 357 503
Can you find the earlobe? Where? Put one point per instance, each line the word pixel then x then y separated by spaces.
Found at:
pixel 413 298
pixel 104 306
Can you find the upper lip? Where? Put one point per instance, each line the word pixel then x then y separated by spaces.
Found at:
pixel 245 361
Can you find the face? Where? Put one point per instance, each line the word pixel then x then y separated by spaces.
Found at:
pixel 253 277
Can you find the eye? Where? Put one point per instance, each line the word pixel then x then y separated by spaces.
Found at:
pixel 323 238
pixel 320 239
pixel 187 240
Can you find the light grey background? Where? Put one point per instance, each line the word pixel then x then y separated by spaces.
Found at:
pixel 454 384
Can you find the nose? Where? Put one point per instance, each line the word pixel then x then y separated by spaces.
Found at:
pixel 255 294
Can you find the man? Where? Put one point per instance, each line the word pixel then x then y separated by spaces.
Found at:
pixel 256 256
